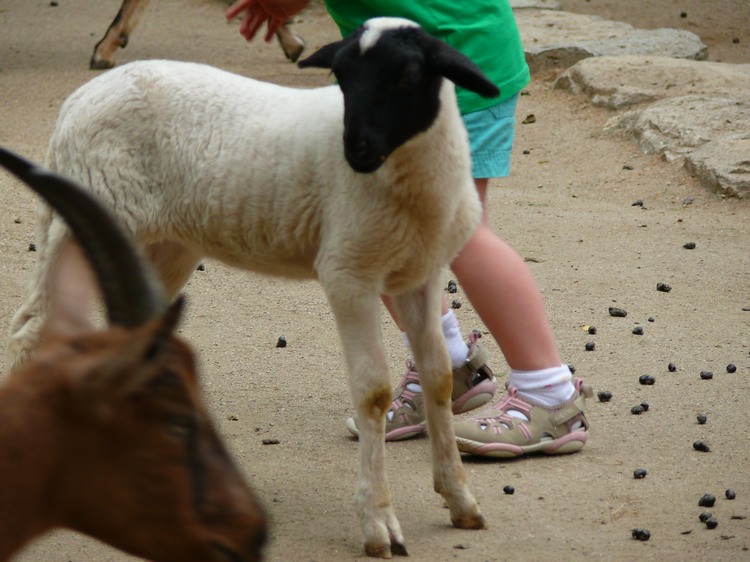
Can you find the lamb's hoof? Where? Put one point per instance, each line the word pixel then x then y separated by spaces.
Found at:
pixel 385 550
pixel 294 53
pixel 100 64
pixel 473 522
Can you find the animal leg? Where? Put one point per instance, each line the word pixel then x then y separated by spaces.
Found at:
pixel 291 43
pixel 357 316
pixel 175 264
pixel 117 34
pixel 419 313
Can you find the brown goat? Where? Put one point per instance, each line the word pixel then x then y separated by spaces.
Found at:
pixel 105 432
pixel 127 19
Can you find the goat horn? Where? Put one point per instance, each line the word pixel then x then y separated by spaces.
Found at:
pixel 132 293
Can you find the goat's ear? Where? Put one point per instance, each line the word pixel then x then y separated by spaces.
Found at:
pixel 72 289
pixel 323 57
pixel 457 67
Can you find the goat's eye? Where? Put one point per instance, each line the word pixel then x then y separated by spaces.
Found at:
pixel 409 78
pixel 181 426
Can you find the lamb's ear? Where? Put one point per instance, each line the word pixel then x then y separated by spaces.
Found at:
pixel 323 57
pixel 457 67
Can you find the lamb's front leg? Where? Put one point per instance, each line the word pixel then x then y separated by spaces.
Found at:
pixel 419 314
pixel 358 320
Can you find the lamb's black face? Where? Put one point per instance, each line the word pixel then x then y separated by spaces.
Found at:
pixel 384 104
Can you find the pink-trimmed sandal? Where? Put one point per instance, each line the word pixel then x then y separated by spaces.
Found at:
pixel 496 433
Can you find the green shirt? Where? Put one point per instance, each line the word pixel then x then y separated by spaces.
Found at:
pixel 483 30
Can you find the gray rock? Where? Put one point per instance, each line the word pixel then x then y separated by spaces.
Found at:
pixel 723 165
pixel 554 39
pixel 624 81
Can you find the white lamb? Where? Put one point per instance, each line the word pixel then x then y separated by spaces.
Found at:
pixel 369 191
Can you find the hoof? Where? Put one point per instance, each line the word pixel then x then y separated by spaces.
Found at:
pixel 386 551
pixel 100 64
pixel 473 522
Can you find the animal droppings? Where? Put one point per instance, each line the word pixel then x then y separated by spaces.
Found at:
pixel 617 312
pixel 641 534
pixel 689 246
pixel 572 369
pixel 452 288
pixel 671 367
pixel 637 203
pixel 702 418
pixel 645 406
pixel 730 494
pixel 705 516
pixel 712 522
pixel 271 441
pixel 592 330
pixel 32 247
pixel 663 287
pixel 651 319
pixel 604 395
pixel 707 500
pixel 702 447
pixel 510 490
pixel 590 346
pixel 456 304
pixel 638 330
pixel 646 380
pixel 731 368
pixel 281 342
pixel 639 473
pixel 637 410
pixel 707 375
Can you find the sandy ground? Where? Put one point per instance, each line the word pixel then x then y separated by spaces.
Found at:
pixel 567 208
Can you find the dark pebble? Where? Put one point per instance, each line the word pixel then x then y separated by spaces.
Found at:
pixel 646 380
pixel 671 367
pixel 281 342
pixel 572 369
pixel 637 203
pixel 590 346
pixel 689 245
pixel 730 494
pixel 639 473
pixel 663 287
pixel 683 14
pixel 456 304
pixel 452 287
pixel 702 447
pixel 645 406
pixel 651 319
pixel 641 534
pixel 707 500
pixel 707 375
pixel 592 330
pixel 731 368
pixel 712 522
pixel 510 490
pixel 637 410
pixel 604 395
pixel 271 441
pixel 638 330
pixel 201 267
pixel 702 418
pixel 705 516
pixel 32 247
pixel 735 40
pixel 618 312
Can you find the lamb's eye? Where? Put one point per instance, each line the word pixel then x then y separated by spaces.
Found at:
pixel 409 78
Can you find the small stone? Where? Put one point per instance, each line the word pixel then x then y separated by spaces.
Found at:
pixel 530 118
pixel 638 330
pixel 527 151
pixel 452 287
pixel 647 380
pixel 590 346
pixel 707 375
pixel 731 368
pixel 281 342
pixel 639 473
pixel 735 40
pixel 663 287
pixel 637 203
pixel 707 500
pixel 683 14
pixel 645 406
pixel 592 330
pixel 637 410
pixel 702 447
pixel 702 418
pixel 32 247
pixel 705 516
pixel 651 319
pixel 712 522
pixel 627 166
pixel 456 304
pixel 572 369
pixel 201 267
pixel 617 312
pixel 730 494
pixel 271 441
pixel 510 490
pixel 641 534
pixel 689 245
pixel 604 395
pixel 671 367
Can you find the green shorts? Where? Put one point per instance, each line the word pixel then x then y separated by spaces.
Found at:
pixel 491 132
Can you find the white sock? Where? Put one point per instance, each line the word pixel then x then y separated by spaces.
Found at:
pixel 546 387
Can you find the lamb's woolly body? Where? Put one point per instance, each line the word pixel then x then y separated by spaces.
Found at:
pixel 254 174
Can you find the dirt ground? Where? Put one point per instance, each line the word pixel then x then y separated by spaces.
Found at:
pixel 567 208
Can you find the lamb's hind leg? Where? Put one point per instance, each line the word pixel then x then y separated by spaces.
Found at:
pixel 357 316
pixel 419 314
